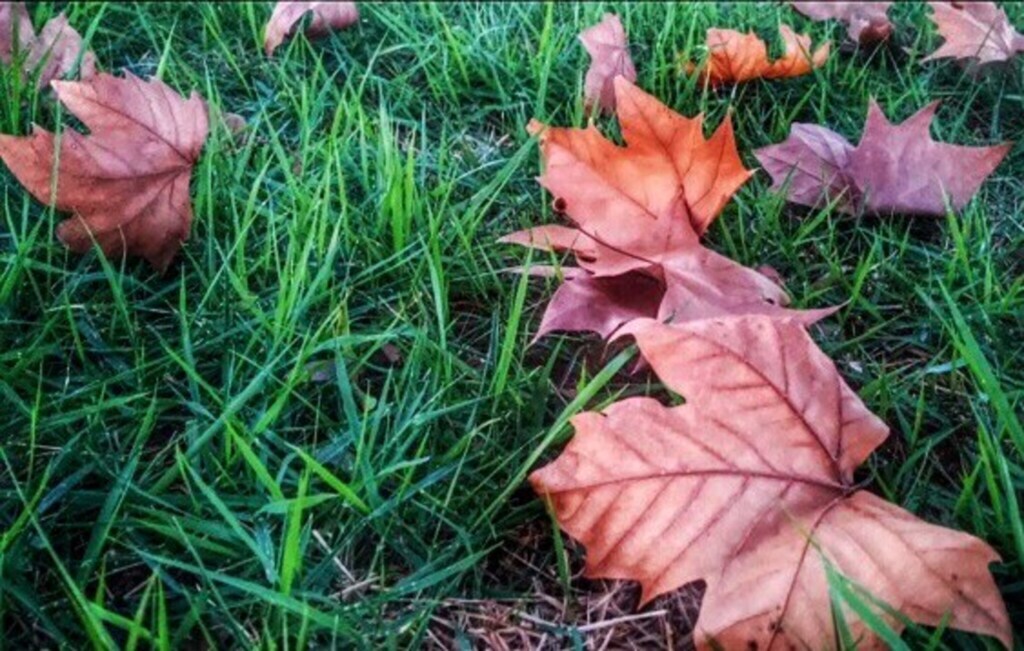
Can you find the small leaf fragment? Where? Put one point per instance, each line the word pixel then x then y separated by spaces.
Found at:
pixel 54 52
pixel 638 212
pixel 16 31
pixel 50 55
pixel 609 54
pixel 866 22
pixel 327 16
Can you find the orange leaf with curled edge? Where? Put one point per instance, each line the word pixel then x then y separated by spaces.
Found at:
pixel 749 486
pixel 735 57
pixel 127 183
pixel 659 192
pixel 327 16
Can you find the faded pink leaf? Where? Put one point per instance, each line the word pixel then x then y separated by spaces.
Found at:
pixel 609 53
pixel 54 53
pixel 899 168
pixel 701 284
pixel 16 31
pixel 894 168
pixel 601 304
pixel 974 30
pixel 812 164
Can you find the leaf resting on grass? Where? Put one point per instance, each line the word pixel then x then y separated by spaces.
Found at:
pixel 894 169
pixel 127 183
pixel 749 487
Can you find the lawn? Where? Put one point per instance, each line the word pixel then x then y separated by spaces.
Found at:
pixel 313 430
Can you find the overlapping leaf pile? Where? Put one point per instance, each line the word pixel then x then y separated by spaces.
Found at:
pixel 749 486
pixel 638 213
pixel 977 32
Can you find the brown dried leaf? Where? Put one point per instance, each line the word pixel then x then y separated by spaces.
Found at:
pixel 327 16
pixel 735 57
pixel 866 22
pixel 235 123
pixel 609 53
pixel 127 183
pixel 894 169
pixel 749 487
pixel 974 30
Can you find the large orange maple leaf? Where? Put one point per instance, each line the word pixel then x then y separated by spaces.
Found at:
pixel 668 181
pixel 750 487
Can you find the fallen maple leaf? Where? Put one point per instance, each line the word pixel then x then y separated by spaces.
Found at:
pixel 609 53
pixel 127 183
pixel 50 55
pixel 667 178
pixel 750 487
pixel 866 22
pixel 812 164
pixel 701 284
pixel 894 169
pixel 974 30
pixel 734 57
pixel 327 16
pixel 697 283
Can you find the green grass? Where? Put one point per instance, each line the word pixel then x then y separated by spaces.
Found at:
pixel 171 471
